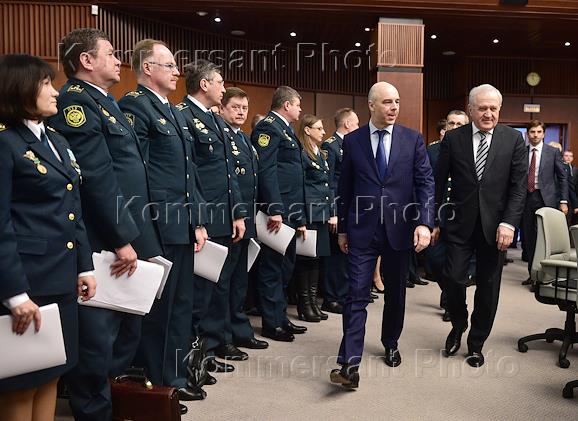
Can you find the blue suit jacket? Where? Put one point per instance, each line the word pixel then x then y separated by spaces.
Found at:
pixel 552 180
pixel 403 199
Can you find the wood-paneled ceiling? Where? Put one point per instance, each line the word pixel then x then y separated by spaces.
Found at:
pixel 466 27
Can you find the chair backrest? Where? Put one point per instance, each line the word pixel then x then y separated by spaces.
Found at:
pixel 552 241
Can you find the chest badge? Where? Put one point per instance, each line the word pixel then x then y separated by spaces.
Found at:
pixel 39 167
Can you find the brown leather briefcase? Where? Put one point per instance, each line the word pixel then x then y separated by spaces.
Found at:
pixel 134 398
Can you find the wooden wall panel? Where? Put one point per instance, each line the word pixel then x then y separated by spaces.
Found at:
pixel 400 45
pixel 36 28
pixel 259 102
pixel 361 109
pixel 327 104
pixel 410 88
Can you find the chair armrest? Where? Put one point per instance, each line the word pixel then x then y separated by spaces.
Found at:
pixel 565 268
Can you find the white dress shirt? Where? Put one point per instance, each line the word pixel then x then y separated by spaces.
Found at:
pixel 386 139
pixel 538 152
pixel 281 117
pixel 198 104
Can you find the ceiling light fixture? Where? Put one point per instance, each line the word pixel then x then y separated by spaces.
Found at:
pixel 237 32
pixel 367 29
pixel 496 40
pixel 293 34
pixel 217 19
pixel 449 53
pixel 567 44
pixel 358 44
pixel 433 36
pixel 202 13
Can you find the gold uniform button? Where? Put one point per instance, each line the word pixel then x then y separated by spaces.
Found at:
pixel 187 158
pixel 69 187
pixel 70 245
pixel 326 185
pixel 71 216
pixel 326 198
pixel 188 176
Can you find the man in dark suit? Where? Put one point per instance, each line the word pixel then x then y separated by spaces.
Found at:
pixel 225 207
pixel 547 185
pixel 436 252
pixel 234 110
pixel 572 176
pixel 336 284
pixel 385 209
pixel 488 165
pixel 282 198
pixel 167 145
pixel 115 194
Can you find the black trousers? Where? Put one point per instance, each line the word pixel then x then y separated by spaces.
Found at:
pixel 488 277
pixel 533 203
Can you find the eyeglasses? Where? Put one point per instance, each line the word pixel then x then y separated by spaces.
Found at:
pixel 220 82
pixel 316 128
pixel 167 66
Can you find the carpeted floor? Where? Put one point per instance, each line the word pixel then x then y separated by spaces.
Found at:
pixel 291 381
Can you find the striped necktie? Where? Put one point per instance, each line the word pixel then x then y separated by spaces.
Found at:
pixel 481 155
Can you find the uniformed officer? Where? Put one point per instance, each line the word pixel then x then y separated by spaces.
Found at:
pixel 45 257
pixel 114 198
pixel 436 252
pixel 225 208
pixel 321 216
pixel 176 198
pixel 336 284
pixel 282 198
pixel 234 109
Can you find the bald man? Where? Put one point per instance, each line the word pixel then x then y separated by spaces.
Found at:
pixel 385 209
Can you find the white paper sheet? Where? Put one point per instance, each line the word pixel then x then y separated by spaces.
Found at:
pixel 210 260
pixel 277 241
pixel 308 247
pixel 252 253
pixel 167 265
pixel 32 351
pixel 134 294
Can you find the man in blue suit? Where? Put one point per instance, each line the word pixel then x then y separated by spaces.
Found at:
pixel 547 185
pixel 385 208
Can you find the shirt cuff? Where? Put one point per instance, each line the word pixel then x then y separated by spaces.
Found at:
pixel 505 224
pixel 87 273
pixel 16 300
pixel 564 202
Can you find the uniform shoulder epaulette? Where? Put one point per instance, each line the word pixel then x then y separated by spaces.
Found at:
pixel 135 94
pixel 269 119
pixel 75 88
pixel 2 127
pixel 181 106
pixel 330 140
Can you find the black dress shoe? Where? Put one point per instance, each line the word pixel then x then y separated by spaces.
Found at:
pixel 392 357
pixel 332 307
pixel 215 366
pixel 475 359
pixel 454 341
pixel 231 352
pixel 278 334
pixel 346 378
pixel 294 329
pixel 527 281
pixel 191 394
pixel 419 281
pixel 376 290
pixel 253 311
pixel 446 317
pixel 470 281
pixel 209 380
pixel 183 409
pixel 373 296
pixel 409 284
pixel 251 343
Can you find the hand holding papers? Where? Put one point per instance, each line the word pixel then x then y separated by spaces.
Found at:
pixel 32 351
pixel 308 246
pixel 210 261
pixel 134 294
pixel 278 241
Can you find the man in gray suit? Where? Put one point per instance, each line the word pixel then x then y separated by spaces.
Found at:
pixel 547 185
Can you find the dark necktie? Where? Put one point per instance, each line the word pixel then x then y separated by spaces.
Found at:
pixel 481 155
pixel 111 98
pixel 44 142
pixel 168 105
pixel 380 158
pixel 242 138
pixel 532 173
pixel 212 117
